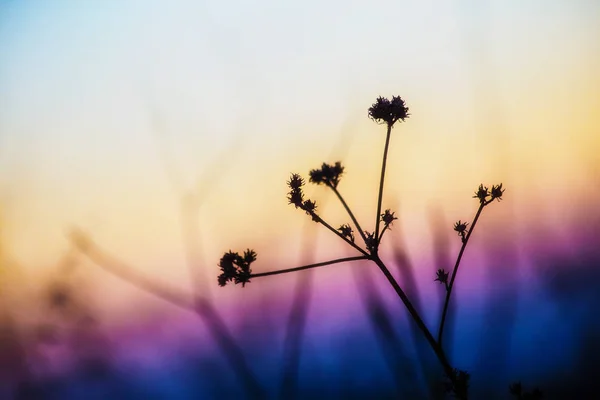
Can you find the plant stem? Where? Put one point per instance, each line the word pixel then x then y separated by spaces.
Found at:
pixel 380 196
pixel 127 274
pixel 321 264
pixel 360 230
pixel 332 229
pixel 385 228
pixel 455 270
pixel 201 306
pixel 439 352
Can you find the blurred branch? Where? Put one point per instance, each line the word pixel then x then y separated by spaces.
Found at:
pixel 201 307
pixel 111 265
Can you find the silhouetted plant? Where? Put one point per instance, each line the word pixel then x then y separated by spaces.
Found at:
pixel 235 267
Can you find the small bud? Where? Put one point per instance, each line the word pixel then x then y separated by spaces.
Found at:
pixel 370 241
pixel 482 193
pixel 347 232
pixel 496 192
pixel 387 218
pixel 295 195
pixel 295 182
pixel 441 276
pixel 461 228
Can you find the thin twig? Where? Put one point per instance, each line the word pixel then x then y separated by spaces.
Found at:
pixel 385 228
pixel 350 213
pixel 380 196
pixel 332 229
pixel 455 270
pixel 321 264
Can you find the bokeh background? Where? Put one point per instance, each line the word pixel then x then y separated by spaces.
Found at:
pixel 165 133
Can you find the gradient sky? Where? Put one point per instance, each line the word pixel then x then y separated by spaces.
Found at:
pixel 112 111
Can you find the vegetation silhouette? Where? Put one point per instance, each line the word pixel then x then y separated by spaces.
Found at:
pixel 236 267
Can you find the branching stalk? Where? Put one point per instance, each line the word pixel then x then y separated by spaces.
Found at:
pixel 439 352
pixel 455 270
pixel 332 229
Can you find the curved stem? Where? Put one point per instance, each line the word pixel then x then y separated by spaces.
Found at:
pixel 455 270
pixel 380 196
pixel 127 274
pixel 360 230
pixel 309 266
pixel 385 228
pixel 201 306
pixel 439 352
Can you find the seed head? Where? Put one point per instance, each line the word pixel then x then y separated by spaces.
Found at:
pixel 328 174
pixel 347 232
pixel 482 193
pixel 441 276
pixel 236 267
pixel 370 241
pixel 388 112
pixel 388 217
pixel 496 192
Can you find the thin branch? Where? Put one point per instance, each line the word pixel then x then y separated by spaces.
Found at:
pixel 380 196
pixel 332 229
pixel 439 352
pixel 309 266
pixel 202 307
pixel 124 272
pixel 385 228
pixel 350 213
pixel 455 270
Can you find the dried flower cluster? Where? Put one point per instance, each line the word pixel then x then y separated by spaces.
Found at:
pixel 328 174
pixel 388 111
pixel 296 196
pixel 461 228
pixel 387 218
pixel 347 232
pixel 483 193
pixel 235 267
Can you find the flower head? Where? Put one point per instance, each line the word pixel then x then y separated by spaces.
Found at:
pixel 295 182
pixel 327 174
pixel 309 206
pixel 441 276
pixel 388 217
pixel 236 267
pixel 295 195
pixel 370 241
pixel 482 193
pixel 461 228
pixel 347 232
pixel 389 112
pixel 496 192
